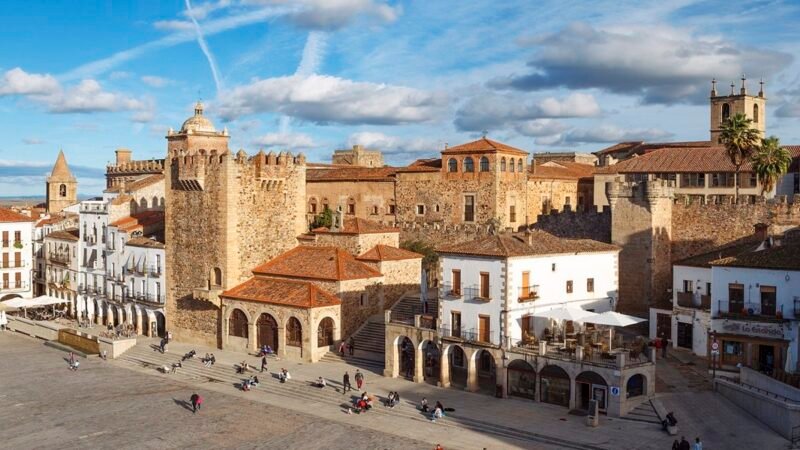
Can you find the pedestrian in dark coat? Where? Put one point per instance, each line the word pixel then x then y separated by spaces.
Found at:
pixel 195 398
pixel 346 387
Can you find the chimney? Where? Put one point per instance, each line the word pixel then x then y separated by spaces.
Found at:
pixel 528 237
pixel 123 156
pixel 761 231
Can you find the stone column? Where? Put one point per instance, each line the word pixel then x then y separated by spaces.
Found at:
pixel 444 371
pixel 139 320
pixel 472 374
pixel 538 389
pixel 282 342
pixel 419 365
pixel 501 378
pixel 572 392
pixel 224 340
pixel 391 356
pixel 252 336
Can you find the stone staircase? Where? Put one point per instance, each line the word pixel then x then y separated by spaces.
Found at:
pixel 296 390
pixel 370 340
pixel 407 307
pixel 366 364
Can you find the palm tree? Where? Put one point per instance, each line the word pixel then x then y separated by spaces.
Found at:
pixel 770 162
pixel 740 140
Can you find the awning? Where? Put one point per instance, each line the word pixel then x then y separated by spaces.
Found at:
pixel 614 319
pixel 569 312
pixel 43 300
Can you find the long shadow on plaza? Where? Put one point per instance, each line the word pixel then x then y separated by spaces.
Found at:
pixel 184 404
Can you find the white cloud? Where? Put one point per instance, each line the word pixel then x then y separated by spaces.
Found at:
pixel 660 64
pixel 328 99
pixel 154 81
pixel 119 75
pixel 32 141
pixel 18 82
pixel 540 127
pixel 604 134
pixel 335 14
pixel 393 145
pixel 202 10
pixel 173 25
pixel 290 141
pixel 489 111
pixel 313 52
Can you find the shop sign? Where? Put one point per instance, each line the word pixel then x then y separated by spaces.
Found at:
pixel 755 329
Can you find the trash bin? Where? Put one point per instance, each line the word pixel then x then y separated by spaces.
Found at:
pixel 498 391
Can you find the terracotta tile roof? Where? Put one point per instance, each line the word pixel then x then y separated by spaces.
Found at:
pixel 423 165
pixel 357 225
pixel 50 221
pixel 121 199
pixel 704 259
pixel 683 160
pixel 562 170
pixel 781 257
pixel 317 263
pixel 141 241
pixel 70 234
pixel 7 215
pixel 638 147
pixel 298 294
pixel 387 253
pixel 138 221
pixel 483 145
pixel 541 243
pixel 350 173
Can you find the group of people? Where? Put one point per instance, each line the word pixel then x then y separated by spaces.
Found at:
pixel 393 399
pixel 685 445
pixel 265 350
pixel 249 383
pixel 361 404
pixel 73 363
pixel 284 375
pixel 436 413
pixel 348 346
pixel 346 386
pixel 209 359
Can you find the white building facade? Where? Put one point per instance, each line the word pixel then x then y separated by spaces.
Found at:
pixel 60 252
pixel 16 251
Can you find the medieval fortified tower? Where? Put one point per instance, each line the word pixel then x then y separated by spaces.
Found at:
pixel 227 213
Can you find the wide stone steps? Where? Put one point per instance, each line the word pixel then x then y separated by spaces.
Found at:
pixel 407 307
pixel 303 390
pixel 370 338
pixel 372 365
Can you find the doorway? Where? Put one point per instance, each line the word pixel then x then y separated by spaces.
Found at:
pixel 766 358
pixel 484 334
pixel 685 335
pixel 591 386
pixel 664 325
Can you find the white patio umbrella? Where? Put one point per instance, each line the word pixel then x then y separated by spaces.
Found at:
pixel 614 319
pixel 569 312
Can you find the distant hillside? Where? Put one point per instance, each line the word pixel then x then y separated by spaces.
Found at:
pixel 19 200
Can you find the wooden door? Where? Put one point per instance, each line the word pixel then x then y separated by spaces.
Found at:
pixel 484 284
pixel 526 284
pixel 484 331
pixel 455 323
pixel 456 282
pixel 5 259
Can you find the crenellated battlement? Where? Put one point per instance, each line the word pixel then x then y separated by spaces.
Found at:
pixel 649 190
pixel 153 166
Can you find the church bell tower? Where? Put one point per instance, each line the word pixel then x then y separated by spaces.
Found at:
pixel 724 106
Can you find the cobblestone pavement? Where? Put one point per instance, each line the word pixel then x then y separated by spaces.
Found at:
pixel 44 405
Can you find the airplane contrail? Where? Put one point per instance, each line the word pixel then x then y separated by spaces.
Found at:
pixel 201 41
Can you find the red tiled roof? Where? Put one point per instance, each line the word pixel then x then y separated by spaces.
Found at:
pixel 50 221
pixel 357 225
pixel 351 173
pixel 317 263
pixel 70 234
pixel 637 147
pixel 298 294
pixel 387 253
pixel 7 215
pixel 138 221
pixel 562 170
pixel 483 145
pixel 141 241
pixel 541 243
pixel 683 160
pixel 781 257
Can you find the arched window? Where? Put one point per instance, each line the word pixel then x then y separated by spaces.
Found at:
pixel 294 333
pixel 375 210
pixel 503 164
pixel 484 164
pixel 325 333
pixel 237 324
pixel 726 111
pixel 351 206
pixel 755 113
pixel 452 165
pixel 62 190
pixel 519 165
pixel 312 205
pixel 143 203
pixel 469 164
pixel 511 165
pixel 635 386
pixel 217 280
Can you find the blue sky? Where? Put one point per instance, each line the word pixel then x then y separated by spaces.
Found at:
pixel 404 76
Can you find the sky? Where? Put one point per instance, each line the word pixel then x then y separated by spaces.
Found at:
pixel 402 76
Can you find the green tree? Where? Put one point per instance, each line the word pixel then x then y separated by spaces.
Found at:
pixel 740 140
pixel 430 257
pixel 325 219
pixel 770 162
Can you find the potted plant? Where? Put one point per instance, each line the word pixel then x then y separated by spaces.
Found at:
pixel 17 244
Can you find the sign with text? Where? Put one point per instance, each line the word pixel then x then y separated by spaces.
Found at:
pixel 754 329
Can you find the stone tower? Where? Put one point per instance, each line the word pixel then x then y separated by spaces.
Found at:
pixel 62 187
pixel 226 213
pixel 724 106
pixel 641 223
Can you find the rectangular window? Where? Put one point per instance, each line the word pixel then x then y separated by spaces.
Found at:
pixel 687 286
pixel 17 237
pixel 484 328
pixel 526 281
pixel 5 239
pixel 590 285
pixel 693 180
pixel 708 288
pixel 768 298
pixel 420 210
pixel 351 208
pixel 312 208
pixel 391 209
pixel 5 281
pixel 569 286
pixel 512 213
pixel 455 324
pixel 17 259
pixel 567 200
pixel 735 298
pixel 18 280
pixel 469 208
pixel 456 289
pixel 5 259
pixel 484 293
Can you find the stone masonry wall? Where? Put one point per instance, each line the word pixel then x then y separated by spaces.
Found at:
pixel 584 225
pixel 367 194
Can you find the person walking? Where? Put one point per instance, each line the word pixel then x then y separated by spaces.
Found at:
pixel 351 345
pixel 684 444
pixel 664 345
pixel 196 402
pixel 359 379
pixel 697 444
pixel 342 346
pixel 346 387
pixel 263 363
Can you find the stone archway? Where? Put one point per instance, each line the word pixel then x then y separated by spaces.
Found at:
pixel 521 379
pixel 591 386
pixel 431 356
pixel 161 324
pixel 325 333
pixel 406 356
pixel 267 328
pixel 457 363
pixel 485 372
pixel 636 386
pixel 554 386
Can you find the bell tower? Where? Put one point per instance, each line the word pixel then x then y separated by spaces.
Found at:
pixel 724 106
pixel 62 187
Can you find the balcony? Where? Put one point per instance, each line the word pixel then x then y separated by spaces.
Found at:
pixel 528 293
pixel 479 293
pixel 448 291
pixel 59 258
pixel 690 300
pixel 472 335
pixel 748 311
pixel 13 286
pixel 12 264
pixel 154 271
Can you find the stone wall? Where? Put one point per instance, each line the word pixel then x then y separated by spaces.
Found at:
pixel 570 224
pixel 400 277
pixel 557 193
pixel 371 198
pixel 354 314
pixel 355 244
pixel 439 234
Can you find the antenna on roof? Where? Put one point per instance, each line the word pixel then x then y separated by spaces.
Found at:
pixel 485 132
